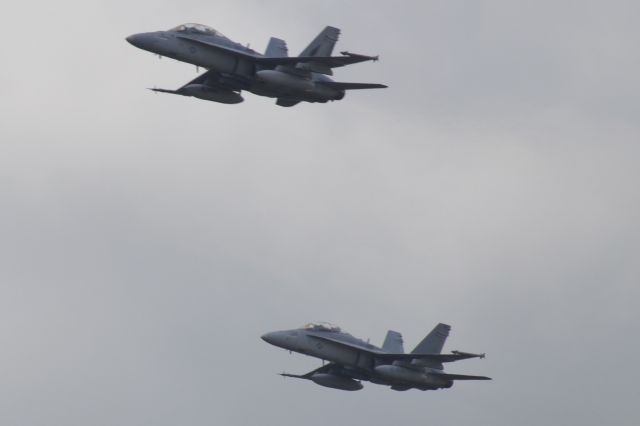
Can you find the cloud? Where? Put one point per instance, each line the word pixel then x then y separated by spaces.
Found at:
pixel 149 240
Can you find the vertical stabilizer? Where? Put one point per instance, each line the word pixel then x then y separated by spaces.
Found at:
pixel 323 44
pixel 393 343
pixel 433 343
pixel 276 48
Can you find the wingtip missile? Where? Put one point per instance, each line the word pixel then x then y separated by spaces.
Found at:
pixel 157 90
pixel 469 354
pixel 357 55
pixel 295 376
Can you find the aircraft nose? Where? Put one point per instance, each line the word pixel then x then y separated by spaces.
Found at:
pixel 267 337
pixel 139 40
pixel 133 39
pixel 275 338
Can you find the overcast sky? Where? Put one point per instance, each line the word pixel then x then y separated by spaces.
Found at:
pixel 147 241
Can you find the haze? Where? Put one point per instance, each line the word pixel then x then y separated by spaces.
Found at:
pixel 147 241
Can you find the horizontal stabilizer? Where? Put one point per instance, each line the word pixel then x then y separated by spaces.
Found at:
pixel 351 86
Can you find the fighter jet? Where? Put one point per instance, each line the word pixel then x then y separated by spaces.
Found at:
pixel 352 360
pixel 233 67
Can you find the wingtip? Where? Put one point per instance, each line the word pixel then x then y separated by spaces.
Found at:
pixel 158 90
pixel 358 55
pixel 469 354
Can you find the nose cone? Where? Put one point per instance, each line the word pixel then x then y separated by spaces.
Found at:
pixel 134 39
pixel 142 40
pixel 276 338
pixel 268 337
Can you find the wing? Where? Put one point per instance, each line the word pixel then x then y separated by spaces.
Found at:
pixel 431 357
pixel 351 86
pixel 328 61
pixel 201 79
pixel 324 369
pixel 347 58
pixel 210 78
pixel 462 377
pixel 319 64
pixel 454 356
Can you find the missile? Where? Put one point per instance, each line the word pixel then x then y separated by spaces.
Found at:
pixel 469 354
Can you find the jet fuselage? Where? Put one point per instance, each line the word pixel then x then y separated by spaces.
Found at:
pixel 186 48
pixel 235 68
pixel 352 359
pixel 302 341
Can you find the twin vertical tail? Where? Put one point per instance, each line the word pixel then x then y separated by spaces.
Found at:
pixel 432 344
pixel 323 44
pixel 393 343
pixel 276 48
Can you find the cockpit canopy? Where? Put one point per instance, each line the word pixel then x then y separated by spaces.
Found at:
pixel 321 326
pixel 196 29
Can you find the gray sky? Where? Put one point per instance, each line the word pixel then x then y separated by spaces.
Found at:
pixel 147 241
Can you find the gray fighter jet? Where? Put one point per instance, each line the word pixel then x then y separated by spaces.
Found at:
pixel 352 360
pixel 233 67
